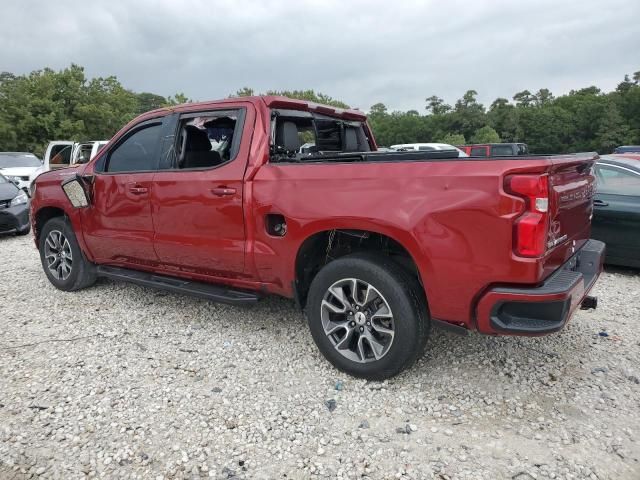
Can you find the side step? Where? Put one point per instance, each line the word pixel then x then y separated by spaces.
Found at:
pixel 215 293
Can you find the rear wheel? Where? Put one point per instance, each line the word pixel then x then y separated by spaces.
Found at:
pixel 367 316
pixel 62 259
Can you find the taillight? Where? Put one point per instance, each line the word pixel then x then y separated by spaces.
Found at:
pixel 530 229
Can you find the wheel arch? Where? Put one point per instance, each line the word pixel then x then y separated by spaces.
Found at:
pixel 323 246
pixel 43 215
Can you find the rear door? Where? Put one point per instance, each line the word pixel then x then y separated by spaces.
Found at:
pixel 616 219
pixel 118 226
pixel 197 199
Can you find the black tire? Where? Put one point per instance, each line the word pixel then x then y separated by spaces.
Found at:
pixel 83 272
pixel 401 291
pixel 26 231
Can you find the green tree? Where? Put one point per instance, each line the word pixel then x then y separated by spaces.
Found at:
pixel 543 97
pixel 244 92
pixel 178 99
pixel 453 139
pixel 485 134
pixel 436 105
pixel 378 109
pixel 612 131
pixel 468 115
pixel 524 99
pixel 149 101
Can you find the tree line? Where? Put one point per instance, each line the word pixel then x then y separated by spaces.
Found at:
pixel 582 120
pixel 61 105
pixel 50 105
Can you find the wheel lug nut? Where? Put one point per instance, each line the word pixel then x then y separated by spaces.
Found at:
pixel 361 329
pixel 368 324
pixel 352 324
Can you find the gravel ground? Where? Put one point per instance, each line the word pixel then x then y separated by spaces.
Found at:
pixel 118 381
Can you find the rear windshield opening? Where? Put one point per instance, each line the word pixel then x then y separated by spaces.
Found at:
pixel 299 135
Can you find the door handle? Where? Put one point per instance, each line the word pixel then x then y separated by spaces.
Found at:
pixel 138 190
pixel 223 191
pixel 600 203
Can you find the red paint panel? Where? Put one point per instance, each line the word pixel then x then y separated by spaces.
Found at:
pixel 117 226
pixel 453 217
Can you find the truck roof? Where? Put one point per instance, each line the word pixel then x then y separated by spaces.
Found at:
pixel 271 101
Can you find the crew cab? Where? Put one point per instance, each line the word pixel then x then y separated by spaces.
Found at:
pixel 217 200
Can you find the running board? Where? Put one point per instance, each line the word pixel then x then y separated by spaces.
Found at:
pixel 215 293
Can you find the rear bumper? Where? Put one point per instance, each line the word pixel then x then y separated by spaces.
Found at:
pixel 547 307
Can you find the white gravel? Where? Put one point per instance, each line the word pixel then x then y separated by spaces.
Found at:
pixel 118 381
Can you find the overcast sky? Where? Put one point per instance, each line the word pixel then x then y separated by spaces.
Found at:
pixel 362 52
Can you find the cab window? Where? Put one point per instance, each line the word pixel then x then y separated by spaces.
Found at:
pixel 205 140
pixel 617 181
pixel 138 152
pixel 60 155
pixel 479 152
pixel 502 151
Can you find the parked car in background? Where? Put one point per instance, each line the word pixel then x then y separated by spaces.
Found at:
pixel 14 208
pixel 627 149
pixel 19 168
pixel 64 153
pixel 616 216
pixel 495 149
pixel 85 151
pixel 216 200
pixel 426 147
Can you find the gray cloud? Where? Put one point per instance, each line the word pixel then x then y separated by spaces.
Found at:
pixel 361 52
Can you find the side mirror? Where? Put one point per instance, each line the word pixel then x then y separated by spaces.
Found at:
pixel 77 188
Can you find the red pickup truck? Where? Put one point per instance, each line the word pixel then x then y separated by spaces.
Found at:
pixel 217 200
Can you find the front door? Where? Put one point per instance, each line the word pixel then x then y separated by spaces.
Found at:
pixel 118 226
pixel 198 191
pixel 616 216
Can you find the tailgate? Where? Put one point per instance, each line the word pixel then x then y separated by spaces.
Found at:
pixel 571 190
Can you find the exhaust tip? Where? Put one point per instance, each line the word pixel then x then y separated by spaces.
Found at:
pixel 589 303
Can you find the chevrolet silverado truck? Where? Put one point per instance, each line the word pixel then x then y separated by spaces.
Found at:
pixel 217 200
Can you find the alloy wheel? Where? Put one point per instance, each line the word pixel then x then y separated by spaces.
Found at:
pixel 57 252
pixel 357 319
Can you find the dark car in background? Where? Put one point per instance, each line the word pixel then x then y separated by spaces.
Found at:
pixel 616 216
pixel 627 149
pixel 14 208
pixel 495 149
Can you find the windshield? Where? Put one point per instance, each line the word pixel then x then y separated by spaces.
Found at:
pixel 18 160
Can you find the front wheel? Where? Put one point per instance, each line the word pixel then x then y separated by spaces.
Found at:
pixel 367 316
pixel 62 259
